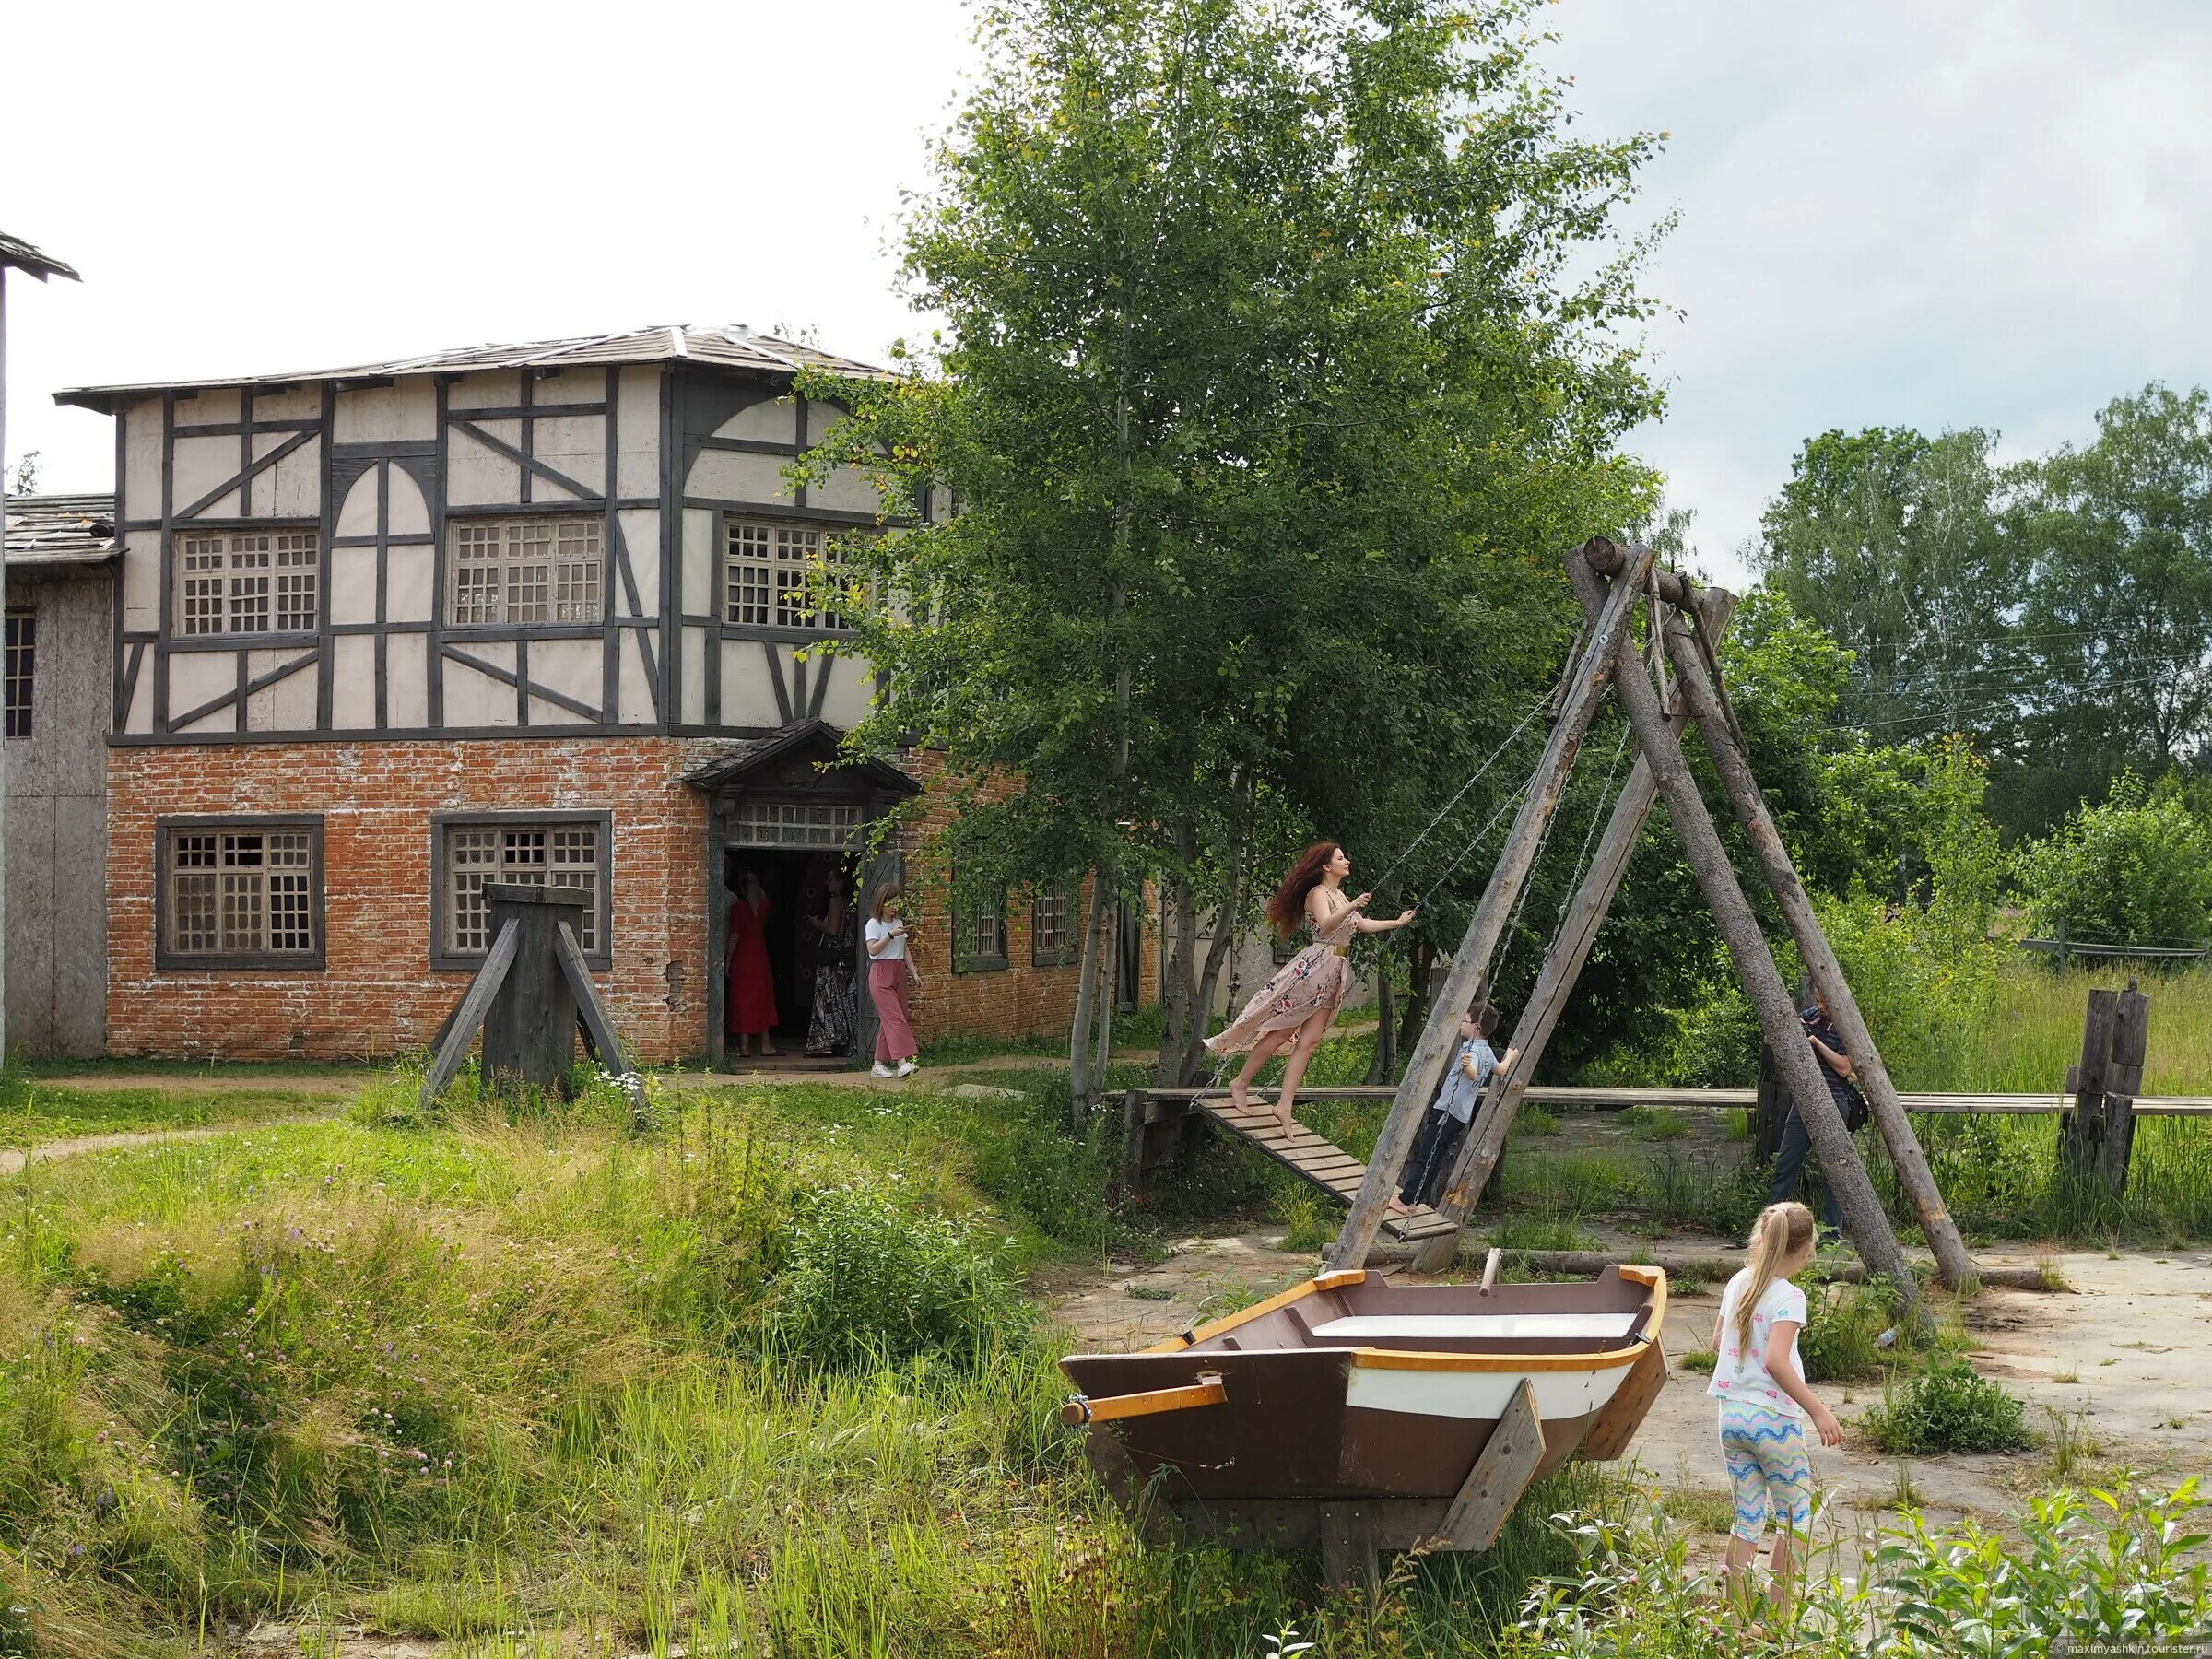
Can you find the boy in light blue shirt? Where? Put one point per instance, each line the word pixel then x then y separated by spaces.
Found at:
pixel 1429 1165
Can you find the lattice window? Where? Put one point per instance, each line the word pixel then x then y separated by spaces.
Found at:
pixel 979 932
pixel 766 568
pixel 562 855
pixel 21 658
pixel 831 824
pixel 520 571
pixel 236 893
pixel 1056 927
pixel 248 582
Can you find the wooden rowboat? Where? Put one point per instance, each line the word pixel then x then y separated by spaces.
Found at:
pixel 1351 1389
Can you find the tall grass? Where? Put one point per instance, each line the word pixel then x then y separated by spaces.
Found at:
pixel 2033 1033
pixel 530 1383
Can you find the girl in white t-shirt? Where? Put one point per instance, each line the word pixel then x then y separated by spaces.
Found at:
pixel 1765 1403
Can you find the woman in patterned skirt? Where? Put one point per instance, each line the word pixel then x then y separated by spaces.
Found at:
pixel 1298 1004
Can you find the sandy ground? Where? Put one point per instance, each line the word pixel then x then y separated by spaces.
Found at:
pixel 2123 1356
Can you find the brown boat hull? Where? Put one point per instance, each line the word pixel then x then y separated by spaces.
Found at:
pixel 1348 1422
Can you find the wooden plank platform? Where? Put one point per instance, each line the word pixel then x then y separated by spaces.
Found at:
pixel 1330 1168
pixel 1602 1098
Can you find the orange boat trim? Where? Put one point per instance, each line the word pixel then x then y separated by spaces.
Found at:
pixel 1206 1333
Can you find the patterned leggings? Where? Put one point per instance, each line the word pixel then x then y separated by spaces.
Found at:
pixel 1768 1467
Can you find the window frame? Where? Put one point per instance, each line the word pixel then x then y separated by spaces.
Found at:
pixel 965 907
pixel 600 957
pixel 827 532
pixel 1073 916
pixel 503 526
pixel 167 958
pixel 276 534
pixel 19 721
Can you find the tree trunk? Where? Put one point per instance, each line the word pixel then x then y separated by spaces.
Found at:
pixel 1847 1177
pixel 1585 914
pixel 1386 1029
pixel 1179 973
pixel 1419 977
pixel 1953 1267
pixel 1110 967
pixel 1219 950
pixel 1584 684
pixel 1078 1031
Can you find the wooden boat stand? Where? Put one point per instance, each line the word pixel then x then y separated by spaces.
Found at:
pixel 1351 1533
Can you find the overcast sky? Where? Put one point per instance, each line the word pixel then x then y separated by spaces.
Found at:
pixel 1975 213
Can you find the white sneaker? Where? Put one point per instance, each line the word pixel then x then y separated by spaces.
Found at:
pixel 907 1068
pixel 881 1070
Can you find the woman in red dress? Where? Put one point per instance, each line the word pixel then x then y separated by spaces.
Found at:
pixel 752 992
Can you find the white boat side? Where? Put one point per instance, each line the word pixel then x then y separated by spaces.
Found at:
pixel 1480 1395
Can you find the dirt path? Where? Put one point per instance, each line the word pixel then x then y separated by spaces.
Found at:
pixel 47 1151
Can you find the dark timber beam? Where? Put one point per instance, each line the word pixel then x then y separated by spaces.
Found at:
pixel 1470 970
pixel 1862 1213
pixel 1484 1145
pixel 1953 1267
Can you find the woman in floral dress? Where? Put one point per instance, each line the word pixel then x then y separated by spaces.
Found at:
pixel 1297 1004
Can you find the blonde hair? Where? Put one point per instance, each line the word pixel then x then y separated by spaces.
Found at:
pixel 1781 1231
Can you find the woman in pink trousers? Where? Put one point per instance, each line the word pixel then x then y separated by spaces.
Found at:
pixel 890 970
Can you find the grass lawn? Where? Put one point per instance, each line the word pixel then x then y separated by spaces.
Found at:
pixel 34 1111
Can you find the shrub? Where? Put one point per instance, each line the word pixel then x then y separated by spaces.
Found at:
pixel 1841 1339
pixel 2137 870
pixel 1947 1408
pixel 868 1280
pixel 1656 1123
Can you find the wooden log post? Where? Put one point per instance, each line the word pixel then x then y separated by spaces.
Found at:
pixel 2096 1135
pixel 1470 970
pixel 1954 1267
pixel 1483 1151
pixel 1863 1214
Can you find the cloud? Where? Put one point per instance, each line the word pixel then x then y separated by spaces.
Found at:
pixel 1966 214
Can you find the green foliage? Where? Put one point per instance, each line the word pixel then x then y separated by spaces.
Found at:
pixel 1273 336
pixel 1946 1407
pixel 1890 541
pixel 2118 536
pixel 869 1279
pixel 2088 1571
pixel 1657 1123
pixel 1840 1340
pixel 1309 1226
pixel 2137 870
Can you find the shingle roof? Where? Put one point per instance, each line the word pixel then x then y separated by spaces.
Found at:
pixel 20 255
pixel 731 348
pixel 60 530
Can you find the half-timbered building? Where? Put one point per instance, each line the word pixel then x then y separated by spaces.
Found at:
pixel 384 634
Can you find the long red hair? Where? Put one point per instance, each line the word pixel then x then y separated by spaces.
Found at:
pixel 1287 908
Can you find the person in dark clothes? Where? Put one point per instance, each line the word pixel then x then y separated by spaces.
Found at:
pixel 1429 1165
pixel 1850 1105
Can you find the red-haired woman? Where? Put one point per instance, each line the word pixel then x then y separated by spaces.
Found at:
pixel 1297 1004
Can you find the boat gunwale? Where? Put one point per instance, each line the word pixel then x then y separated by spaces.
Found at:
pixel 1653 1278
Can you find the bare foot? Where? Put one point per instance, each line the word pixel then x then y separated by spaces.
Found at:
pixel 1288 1125
pixel 768 1054
pixel 1398 1207
pixel 1239 1096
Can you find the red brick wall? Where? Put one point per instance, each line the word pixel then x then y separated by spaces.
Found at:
pixel 1016 1000
pixel 377 993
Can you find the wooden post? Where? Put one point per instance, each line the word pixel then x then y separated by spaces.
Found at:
pixel 2096 1135
pixel 1863 1214
pixel 1470 968
pixel 1954 1267
pixel 1484 1149
pixel 2061 945
pixel 1771 1112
